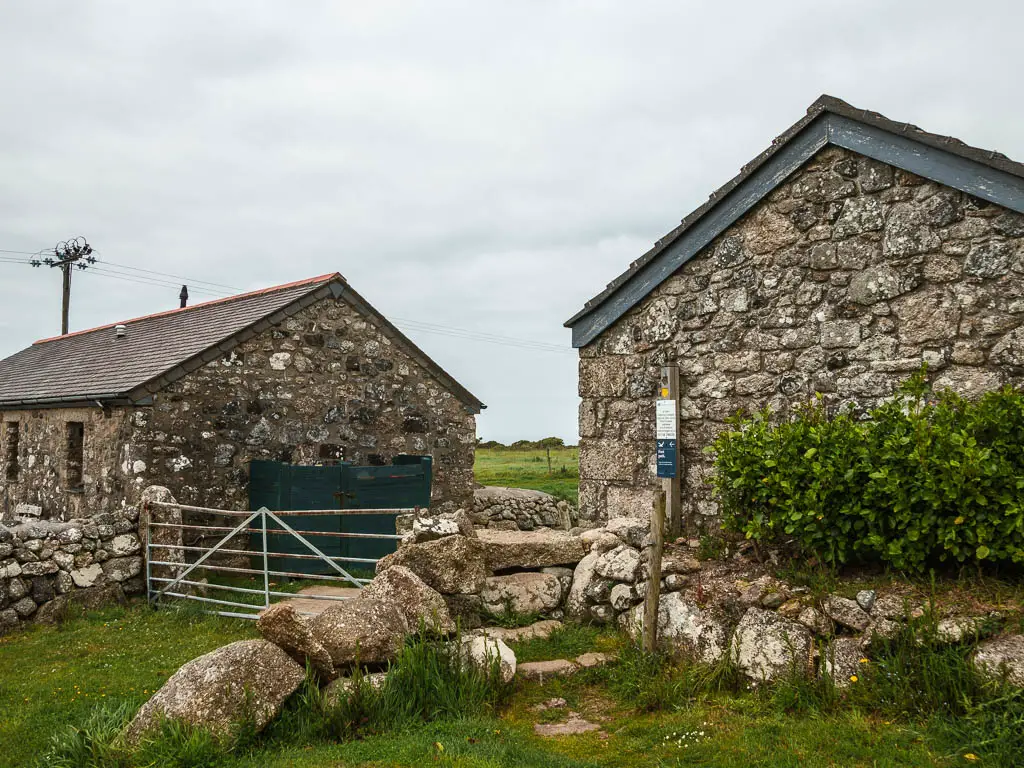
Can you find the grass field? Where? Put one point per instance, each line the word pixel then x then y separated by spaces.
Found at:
pixel 52 678
pixel 529 469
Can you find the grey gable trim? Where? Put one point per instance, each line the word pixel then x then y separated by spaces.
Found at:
pixel 725 213
pixel 901 151
pixel 932 163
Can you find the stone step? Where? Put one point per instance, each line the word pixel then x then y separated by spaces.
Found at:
pixel 540 629
pixel 543 670
pixel 530 549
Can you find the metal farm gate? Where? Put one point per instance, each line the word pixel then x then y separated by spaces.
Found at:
pixel 317 523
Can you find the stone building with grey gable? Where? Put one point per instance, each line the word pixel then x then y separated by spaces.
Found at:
pixel 848 253
pixel 306 372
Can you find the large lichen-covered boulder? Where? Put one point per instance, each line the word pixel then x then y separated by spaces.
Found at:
pixel 286 629
pixel 413 598
pixel 766 645
pixel 522 593
pixel 244 682
pixel 700 632
pixel 530 549
pixel 369 631
pixel 452 565
pixel 1002 655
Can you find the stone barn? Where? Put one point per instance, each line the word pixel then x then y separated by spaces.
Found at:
pixel 307 372
pixel 839 259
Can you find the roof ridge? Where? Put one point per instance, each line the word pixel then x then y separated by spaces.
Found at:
pixel 249 294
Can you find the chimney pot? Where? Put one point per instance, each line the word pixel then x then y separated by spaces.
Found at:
pixel 183 296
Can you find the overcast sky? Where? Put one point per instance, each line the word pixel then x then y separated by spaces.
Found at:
pixel 476 165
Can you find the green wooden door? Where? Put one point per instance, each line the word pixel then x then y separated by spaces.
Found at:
pixel 276 486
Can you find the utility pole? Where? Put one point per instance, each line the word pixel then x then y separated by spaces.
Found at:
pixel 75 253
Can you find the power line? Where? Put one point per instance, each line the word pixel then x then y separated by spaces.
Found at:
pixel 470 336
pixel 155 278
pixel 189 280
pixel 149 281
pixel 483 335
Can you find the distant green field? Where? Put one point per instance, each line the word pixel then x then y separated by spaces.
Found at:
pixel 529 469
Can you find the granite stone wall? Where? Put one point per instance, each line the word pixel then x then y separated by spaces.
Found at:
pixel 35 471
pixel 323 385
pixel 840 283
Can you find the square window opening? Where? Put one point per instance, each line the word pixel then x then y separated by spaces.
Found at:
pixel 12 435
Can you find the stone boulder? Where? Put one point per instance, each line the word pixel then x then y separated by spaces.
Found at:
pixel 452 565
pixel 365 630
pixel 701 633
pixel 766 646
pixel 843 610
pixel 412 597
pixel 247 681
pixel 583 577
pixel 843 661
pixel 1002 655
pixel 465 610
pixel 522 593
pixel 619 564
pixel 282 626
pixel 482 651
pixel 530 549
pixel 338 690
pixel 441 526
pixel 629 530
pixel 957 629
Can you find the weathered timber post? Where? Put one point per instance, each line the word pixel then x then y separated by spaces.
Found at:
pixel 654 574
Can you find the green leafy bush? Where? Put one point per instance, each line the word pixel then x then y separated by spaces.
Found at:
pixel 924 479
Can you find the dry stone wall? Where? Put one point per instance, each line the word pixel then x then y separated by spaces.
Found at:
pixel 44 565
pixel 840 284
pixel 519 508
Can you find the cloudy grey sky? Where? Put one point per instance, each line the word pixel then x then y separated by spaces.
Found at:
pixel 477 165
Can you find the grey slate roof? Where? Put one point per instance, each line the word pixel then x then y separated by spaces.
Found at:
pixel 95 365
pixel 985 173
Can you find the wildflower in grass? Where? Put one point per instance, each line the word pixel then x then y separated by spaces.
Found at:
pixel 970 756
pixel 863 661
pixel 853 678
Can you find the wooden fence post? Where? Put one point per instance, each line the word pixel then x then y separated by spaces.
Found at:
pixel 654 575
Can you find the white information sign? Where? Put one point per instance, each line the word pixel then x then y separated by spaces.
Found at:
pixel 665 419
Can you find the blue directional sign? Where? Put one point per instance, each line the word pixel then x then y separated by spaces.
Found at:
pixel 665 455
pixel 667 431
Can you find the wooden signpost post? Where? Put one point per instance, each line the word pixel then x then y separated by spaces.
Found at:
pixel 666 442
pixel 667 446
